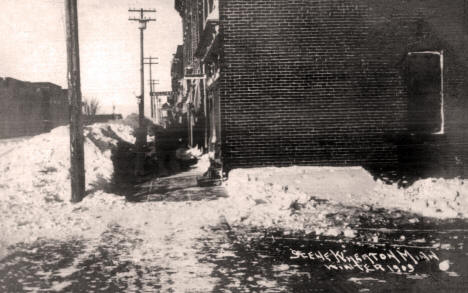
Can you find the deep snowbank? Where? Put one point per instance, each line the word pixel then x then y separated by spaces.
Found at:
pixel 292 197
pixel 35 185
pixel 41 164
pixel 34 203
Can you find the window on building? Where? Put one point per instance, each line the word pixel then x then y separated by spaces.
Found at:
pixel 205 9
pixel 208 7
pixel 425 88
pixel 211 4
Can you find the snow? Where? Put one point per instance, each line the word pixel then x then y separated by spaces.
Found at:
pixel 40 164
pixel 35 188
pixel 195 151
pixel 34 204
pixel 302 198
pixel 354 186
pixel 35 193
pixel 259 203
pixel 59 287
pixel 366 279
pixel 444 265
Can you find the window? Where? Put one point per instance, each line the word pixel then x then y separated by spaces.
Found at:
pixel 205 9
pixel 425 88
pixel 210 4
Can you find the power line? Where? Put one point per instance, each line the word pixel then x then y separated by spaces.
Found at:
pixel 141 133
pixel 151 63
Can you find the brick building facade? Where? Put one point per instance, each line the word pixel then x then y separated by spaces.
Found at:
pixel 191 86
pixel 334 82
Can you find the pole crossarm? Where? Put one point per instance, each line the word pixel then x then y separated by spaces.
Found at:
pixel 146 19
pixel 142 17
pixel 141 10
pixel 150 60
pixel 141 133
pixel 152 82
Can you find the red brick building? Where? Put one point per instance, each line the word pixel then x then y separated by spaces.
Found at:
pixel 330 82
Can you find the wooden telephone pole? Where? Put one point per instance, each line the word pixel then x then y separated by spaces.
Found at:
pixel 150 63
pixel 154 99
pixel 77 169
pixel 141 133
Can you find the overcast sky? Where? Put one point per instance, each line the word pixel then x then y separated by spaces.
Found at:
pixel 33 46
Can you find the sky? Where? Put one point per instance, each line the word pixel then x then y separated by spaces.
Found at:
pixel 33 47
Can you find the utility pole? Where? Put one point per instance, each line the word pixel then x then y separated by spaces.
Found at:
pixel 150 63
pixel 155 98
pixel 205 107
pixel 141 133
pixel 77 169
pixel 154 83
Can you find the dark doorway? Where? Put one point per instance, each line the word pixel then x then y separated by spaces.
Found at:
pixel 425 103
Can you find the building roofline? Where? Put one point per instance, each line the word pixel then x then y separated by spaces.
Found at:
pixel 179 6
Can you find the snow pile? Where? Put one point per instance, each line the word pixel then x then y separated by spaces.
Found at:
pixel 275 204
pixel 7 145
pixel 203 163
pixel 432 197
pixel 321 199
pixel 41 164
pixel 34 203
pixel 35 183
pixel 195 151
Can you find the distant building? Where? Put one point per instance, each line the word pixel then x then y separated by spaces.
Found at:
pixel 177 76
pixel 191 83
pixel 30 108
pixel 336 82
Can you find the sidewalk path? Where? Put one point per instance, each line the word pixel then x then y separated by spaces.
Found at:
pixel 179 187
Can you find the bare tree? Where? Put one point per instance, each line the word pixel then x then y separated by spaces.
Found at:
pixel 91 106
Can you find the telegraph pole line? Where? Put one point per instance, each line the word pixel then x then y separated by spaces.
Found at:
pixel 141 133
pixel 77 169
pixel 150 63
pixel 154 83
pixel 154 97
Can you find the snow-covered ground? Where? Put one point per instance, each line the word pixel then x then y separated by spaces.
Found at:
pixel 35 193
pixel 35 190
pixel 35 185
pixel 303 198
pixel 35 204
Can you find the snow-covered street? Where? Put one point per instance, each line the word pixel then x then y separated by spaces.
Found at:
pixel 297 229
pixel 174 243
pixel 35 210
pixel 234 146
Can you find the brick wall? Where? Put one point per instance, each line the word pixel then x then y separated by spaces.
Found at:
pixel 322 82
